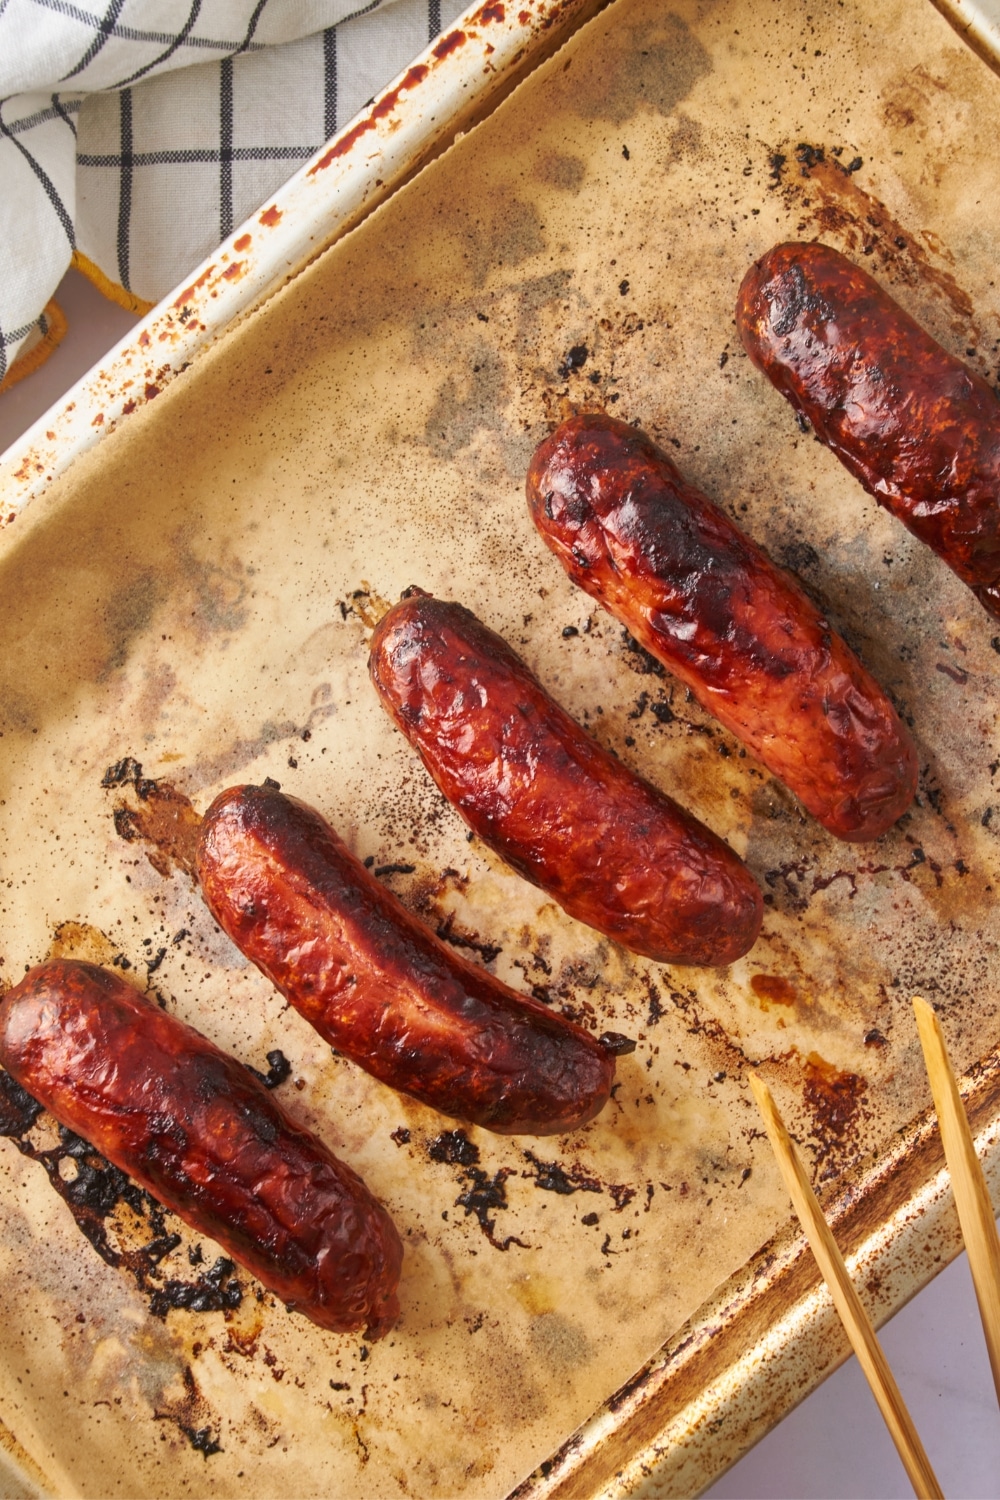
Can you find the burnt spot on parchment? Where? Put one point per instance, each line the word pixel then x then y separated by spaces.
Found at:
pixel 364 604
pixel 638 659
pixel 18 1109
pixel 191 1414
pixel 553 1177
pixel 81 940
pixel 453 1148
pixel 655 67
pixel 482 1196
pixel 127 1227
pixel 215 1290
pixel 156 814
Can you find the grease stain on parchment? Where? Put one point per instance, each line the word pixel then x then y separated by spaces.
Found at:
pixel 508 233
pixel 561 170
pixel 656 67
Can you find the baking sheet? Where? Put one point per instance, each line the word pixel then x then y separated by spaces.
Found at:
pixel 198 592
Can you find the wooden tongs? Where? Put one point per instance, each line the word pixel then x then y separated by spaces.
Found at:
pixel 975 1216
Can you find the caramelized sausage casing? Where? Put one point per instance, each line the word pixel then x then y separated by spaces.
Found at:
pixel 712 607
pixel 613 851
pixel 918 429
pixel 195 1128
pixel 378 985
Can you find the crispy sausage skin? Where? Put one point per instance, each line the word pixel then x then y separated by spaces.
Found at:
pixel 735 629
pixel 198 1131
pixel 613 851
pixel 380 986
pixel 910 421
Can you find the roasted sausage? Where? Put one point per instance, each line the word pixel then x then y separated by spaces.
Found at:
pixel 918 428
pixel 613 851
pixel 197 1130
pixel 735 629
pixel 378 985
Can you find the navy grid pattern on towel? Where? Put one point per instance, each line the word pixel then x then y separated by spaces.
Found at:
pixel 141 132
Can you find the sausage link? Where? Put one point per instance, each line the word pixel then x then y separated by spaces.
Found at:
pixel 612 849
pixel 735 629
pixel 198 1131
pixel 378 985
pixel 918 429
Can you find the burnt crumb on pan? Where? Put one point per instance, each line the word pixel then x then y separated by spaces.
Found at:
pixel 191 1409
pixel 446 930
pixel 95 1192
pixel 200 1438
pixel 574 359
pixel 363 604
pixel 160 816
pixel 483 1195
pixel 454 1148
pixel 18 1109
pixel 278 1069
pixel 155 962
pixel 127 772
pixel 621 1194
pixel 639 659
pixel 617 1043
pixel 553 1177
pixel 657 1010
pixel 214 1291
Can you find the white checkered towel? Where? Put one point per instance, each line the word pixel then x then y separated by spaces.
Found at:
pixel 135 136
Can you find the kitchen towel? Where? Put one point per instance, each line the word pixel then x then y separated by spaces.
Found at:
pixel 135 135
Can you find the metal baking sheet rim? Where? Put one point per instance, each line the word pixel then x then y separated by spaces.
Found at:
pixel 660 1433
pixel 688 1415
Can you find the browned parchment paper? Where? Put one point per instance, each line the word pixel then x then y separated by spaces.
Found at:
pixel 198 593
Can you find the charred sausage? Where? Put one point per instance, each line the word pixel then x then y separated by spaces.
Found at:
pixel 735 629
pixel 613 850
pixel 378 985
pixel 910 421
pixel 195 1128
